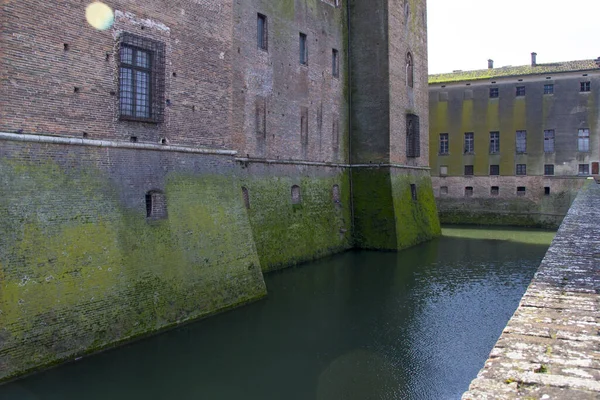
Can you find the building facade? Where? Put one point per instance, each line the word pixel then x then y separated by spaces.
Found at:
pixel 512 145
pixel 152 171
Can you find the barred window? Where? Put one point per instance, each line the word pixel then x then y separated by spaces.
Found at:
pixel 549 141
pixel 494 142
pixel 468 170
pixel 494 93
pixel 141 79
pixel 413 136
pixel 549 89
pixel 584 86
pixel 548 169
pixel 495 169
pixel 520 91
pixel 443 143
pixel 469 142
pixel 521 169
pixel 521 142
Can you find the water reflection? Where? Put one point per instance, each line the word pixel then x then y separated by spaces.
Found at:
pixel 417 324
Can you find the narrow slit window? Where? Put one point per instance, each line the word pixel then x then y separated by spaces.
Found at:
pixel 246 197
pixel 262 32
pixel 413 191
pixel 303 49
pixel 413 136
pixel 410 68
pixel 335 63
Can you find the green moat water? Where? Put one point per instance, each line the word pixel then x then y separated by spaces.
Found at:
pixel 417 324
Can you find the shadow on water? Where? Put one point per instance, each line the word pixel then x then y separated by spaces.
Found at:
pixel 418 324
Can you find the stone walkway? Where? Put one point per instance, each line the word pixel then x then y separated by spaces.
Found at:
pixel 550 348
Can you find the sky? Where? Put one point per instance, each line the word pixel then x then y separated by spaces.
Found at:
pixel 464 34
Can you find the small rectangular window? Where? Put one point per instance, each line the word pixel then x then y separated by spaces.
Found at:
pixel 303 49
pixel 548 169
pixel 521 191
pixel 583 140
pixel 520 91
pixel 335 63
pixel 584 86
pixel 494 142
pixel 468 170
pixel 495 190
pixel 521 169
pixel 469 191
pixel 546 190
pixel 444 190
pixel 262 32
pixel 494 93
pixel 521 142
pixel 469 142
pixel 584 169
pixel 443 170
pixel 494 170
pixel 549 141
pixel 444 143
pixel 549 89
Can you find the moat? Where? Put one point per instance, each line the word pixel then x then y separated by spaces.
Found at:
pixel 417 324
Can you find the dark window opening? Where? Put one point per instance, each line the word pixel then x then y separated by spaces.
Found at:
pixel 495 190
pixel 549 89
pixel 262 32
pixel 494 169
pixel 494 93
pixel 410 78
pixel 141 79
pixel 303 49
pixel 469 142
pixel 444 190
pixel 546 190
pixel 521 191
pixel 520 91
pixel 444 143
pixel 469 191
pixel 468 170
pixel 585 86
pixel 413 191
pixel 156 205
pixel 548 169
pixel 413 136
pixel 584 169
pixel 296 195
pixel 521 169
pixel 335 63
pixel 494 142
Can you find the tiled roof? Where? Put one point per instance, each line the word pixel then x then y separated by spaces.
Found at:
pixel 568 66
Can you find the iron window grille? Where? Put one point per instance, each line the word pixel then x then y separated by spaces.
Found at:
pixel 303 49
pixel 583 140
pixel 494 142
pixel 584 169
pixel 549 141
pixel 548 169
pixel 494 93
pixel 469 142
pixel 521 169
pixel 521 142
pixel 141 79
pixel 521 190
pixel 549 89
pixel 413 136
pixel 494 169
pixel 468 170
pixel 520 91
pixel 443 143
pixel 585 86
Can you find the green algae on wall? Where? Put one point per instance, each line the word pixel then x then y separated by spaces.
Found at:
pixel 81 272
pixel 287 234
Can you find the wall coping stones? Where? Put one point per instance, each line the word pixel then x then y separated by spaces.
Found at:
pixel 19 137
pixel 550 348
pixel 325 164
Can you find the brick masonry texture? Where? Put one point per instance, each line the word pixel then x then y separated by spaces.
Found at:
pixel 549 349
pixel 82 265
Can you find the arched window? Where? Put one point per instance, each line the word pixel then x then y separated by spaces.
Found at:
pixel 335 191
pixel 156 205
pixel 296 196
pixel 409 70
pixel 246 197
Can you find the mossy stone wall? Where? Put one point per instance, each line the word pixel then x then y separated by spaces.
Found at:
pixel 81 267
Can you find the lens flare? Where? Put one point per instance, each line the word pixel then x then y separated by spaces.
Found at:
pixel 99 15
